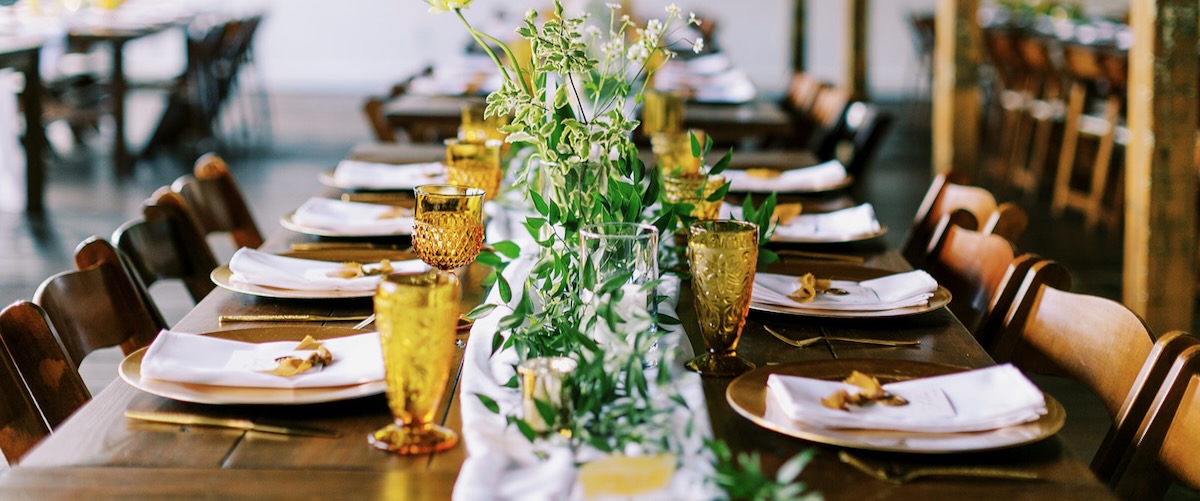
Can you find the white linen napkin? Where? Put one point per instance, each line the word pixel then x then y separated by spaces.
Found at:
pixel 352 218
pixel 837 225
pixel 370 175
pixel 254 267
pixel 901 290
pixel 818 177
pixel 190 358
pixel 977 400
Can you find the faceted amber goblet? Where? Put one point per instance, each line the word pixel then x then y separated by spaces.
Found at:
pixel 476 165
pixel 416 314
pixel 662 111
pixel 448 231
pixel 723 255
pixel 693 189
pixel 476 128
pixel 673 151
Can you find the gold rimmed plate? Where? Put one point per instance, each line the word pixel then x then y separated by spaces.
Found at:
pixel 223 276
pixel 288 221
pixel 842 271
pixel 130 371
pixel 846 182
pixel 749 397
pixel 327 178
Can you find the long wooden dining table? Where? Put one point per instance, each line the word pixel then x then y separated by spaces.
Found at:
pixel 99 454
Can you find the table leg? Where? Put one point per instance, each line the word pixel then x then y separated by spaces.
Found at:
pixel 122 164
pixel 35 137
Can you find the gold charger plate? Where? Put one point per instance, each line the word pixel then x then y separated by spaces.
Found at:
pixel 837 271
pixel 130 371
pixel 749 397
pixel 288 221
pixel 841 240
pixel 222 275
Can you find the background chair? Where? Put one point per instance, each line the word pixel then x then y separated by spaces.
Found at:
pixel 21 423
pixel 102 304
pixel 166 244
pixel 855 138
pixel 215 199
pixel 37 352
pixel 943 198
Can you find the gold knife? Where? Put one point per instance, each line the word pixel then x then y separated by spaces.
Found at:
pixel 316 246
pixel 288 318
pixel 236 424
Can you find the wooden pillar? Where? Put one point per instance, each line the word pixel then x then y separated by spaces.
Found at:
pixel 956 93
pixel 856 49
pixel 1160 217
pixel 799 9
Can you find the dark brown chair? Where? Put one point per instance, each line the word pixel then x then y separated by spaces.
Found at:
pixel 855 138
pixel 102 304
pixel 1164 445
pixel 166 243
pixel 943 198
pixel 21 422
pixel 1093 340
pixel 38 353
pixel 215 199
pixel 979 270
pixel 800 104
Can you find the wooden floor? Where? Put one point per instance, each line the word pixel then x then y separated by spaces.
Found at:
pixel 311 133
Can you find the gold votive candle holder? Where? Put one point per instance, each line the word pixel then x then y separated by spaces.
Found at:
pixel 545 393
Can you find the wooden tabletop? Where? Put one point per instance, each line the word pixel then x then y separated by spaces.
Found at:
pixel 98 453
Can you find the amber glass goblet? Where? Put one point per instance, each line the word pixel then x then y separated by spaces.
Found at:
pixel 416 314
pixel 662 111
pixel 673 151
pixel 475 164
pixel 448 231
pixel 722 255
pixel 694 189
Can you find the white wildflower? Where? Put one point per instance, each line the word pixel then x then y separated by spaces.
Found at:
pixel 613 5
pixel 625 18
pixel 698 45
pixel 638 53
pixel 440 6
pixel 654 28
pixel 673 10
pixel 692 19
pixel 592 31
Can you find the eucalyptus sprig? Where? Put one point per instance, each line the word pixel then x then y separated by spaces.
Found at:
pixel 744 479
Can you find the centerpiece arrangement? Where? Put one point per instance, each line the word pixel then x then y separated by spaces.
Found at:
pixel 582 295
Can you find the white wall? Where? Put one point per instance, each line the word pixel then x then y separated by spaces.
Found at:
pixel 363 46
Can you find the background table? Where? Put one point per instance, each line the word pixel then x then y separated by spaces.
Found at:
pixel 22 55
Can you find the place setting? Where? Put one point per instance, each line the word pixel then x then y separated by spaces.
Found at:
pixel 837 290
pixel 821 178
pixel 325 217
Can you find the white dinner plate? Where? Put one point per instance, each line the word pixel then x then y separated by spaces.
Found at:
pixel 222 275
pixel 289 222
pixel 130 371
pixel 831 240
pixel 749 397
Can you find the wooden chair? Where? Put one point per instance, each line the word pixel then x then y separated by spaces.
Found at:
pixel 944 197
pixel 980 270
pixel 1043 112
pixel 1164 444
pixel 215 199
pixel 21 422
pixel 102 304
pixel 166 243
pixel 1093 340
pixel 37 352
pixel 1091 68
pixel 800 102
pixel 856 138
pixel 1010 93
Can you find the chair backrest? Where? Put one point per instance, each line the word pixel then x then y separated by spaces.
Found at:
pixel 800 102
pixel 21 423
pixel 943 198
pixel 99 305
pixel 215 199
pixel 856 137
pixel 167 243
pixel 39 356
pixel 1167 437
pixel 971 265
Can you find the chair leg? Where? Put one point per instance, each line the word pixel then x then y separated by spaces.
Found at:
pixel 1094 209
pixel 1066 157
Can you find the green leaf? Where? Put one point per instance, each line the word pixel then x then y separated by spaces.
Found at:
pixel 513 382
pixel 505 289
pixel 487 402
pixel 539 203
pixel 696 152
pixel 488 259
pixel 523 427
pixel 723 163
pixel 792 468
pixel 480 311
pixel 719 194
pixel 497 342
pixel 508 249
pixel 545 410
pixel 664 319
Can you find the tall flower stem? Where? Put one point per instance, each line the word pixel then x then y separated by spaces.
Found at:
pixel 487 48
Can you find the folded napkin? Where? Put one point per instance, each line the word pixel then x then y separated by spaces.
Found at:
pixel 253 267
pixel 353 218
pixel 833 226
pixel 822 176
pixel 190 358
pixel 369 175
pixel 902 290
pixel 977 400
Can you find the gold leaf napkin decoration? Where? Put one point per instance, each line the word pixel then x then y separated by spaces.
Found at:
pixel 809 287
pixel 395 213
pixel 869 391
pixel 785 213
pixel 292 365
pixel 763 173
pixel 352 269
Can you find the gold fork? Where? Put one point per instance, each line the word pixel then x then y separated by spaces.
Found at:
pixel 804 343
pixel 893 474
